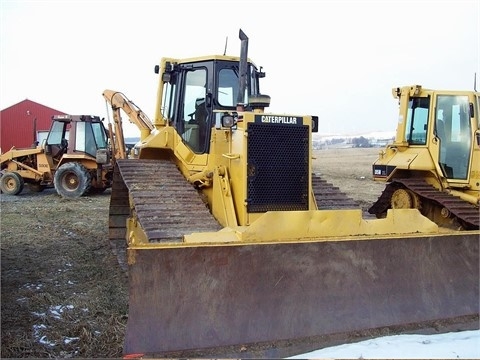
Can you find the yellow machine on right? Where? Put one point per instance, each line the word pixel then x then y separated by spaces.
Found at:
pixel 433 164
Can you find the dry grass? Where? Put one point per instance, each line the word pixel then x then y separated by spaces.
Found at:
pixel 62 293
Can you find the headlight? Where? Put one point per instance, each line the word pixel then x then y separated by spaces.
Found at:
pixel 229 120
pixel 102 156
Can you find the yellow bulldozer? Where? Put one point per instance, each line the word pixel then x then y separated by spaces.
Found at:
pixel 235 247
pixel 434 163
pixel 75 158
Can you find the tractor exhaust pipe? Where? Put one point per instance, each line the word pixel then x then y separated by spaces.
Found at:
pixel 243 70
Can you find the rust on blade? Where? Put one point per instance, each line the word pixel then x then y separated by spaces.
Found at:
pixel 220 296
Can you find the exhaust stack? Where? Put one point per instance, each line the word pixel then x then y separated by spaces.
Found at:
pixel 243 68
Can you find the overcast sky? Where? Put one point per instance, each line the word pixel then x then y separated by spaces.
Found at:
pixel 335 59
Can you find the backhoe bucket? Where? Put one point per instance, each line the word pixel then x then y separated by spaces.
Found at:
pixel 275 299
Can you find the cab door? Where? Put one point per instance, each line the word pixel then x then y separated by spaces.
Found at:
pixel 453 130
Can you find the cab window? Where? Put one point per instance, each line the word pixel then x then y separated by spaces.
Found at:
pixel 56 133
pixel 194 126
pixel 453 129
pixel 417 121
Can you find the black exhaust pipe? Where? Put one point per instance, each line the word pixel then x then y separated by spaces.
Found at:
pixel 243 68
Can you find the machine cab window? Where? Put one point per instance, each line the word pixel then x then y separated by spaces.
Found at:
pixel 227 91
pixel 89 137
pixel 194 125
pixel 417 121
pixel 57 140
pixel 453 130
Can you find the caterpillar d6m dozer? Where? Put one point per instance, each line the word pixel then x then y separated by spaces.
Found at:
pixel 434 163
pixel 234 247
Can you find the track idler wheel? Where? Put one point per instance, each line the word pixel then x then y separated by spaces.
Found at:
pixel 405 199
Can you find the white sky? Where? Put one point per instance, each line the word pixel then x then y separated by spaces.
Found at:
pixel 335 59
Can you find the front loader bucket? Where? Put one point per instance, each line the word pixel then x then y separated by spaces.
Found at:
pixel 235 297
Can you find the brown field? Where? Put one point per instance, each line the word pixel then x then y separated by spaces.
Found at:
pixel 62 293
pixel 350 170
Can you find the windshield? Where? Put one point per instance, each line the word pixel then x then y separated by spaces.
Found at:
pixel 56 133
pixel 100 135
pixel 228 86
pixel 417 121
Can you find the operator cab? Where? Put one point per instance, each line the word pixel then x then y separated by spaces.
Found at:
pixel 453 130
pixel 198 92
pixel 70 134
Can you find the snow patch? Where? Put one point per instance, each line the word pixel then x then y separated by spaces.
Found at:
pixel 454 345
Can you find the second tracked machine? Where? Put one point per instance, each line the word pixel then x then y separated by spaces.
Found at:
pixel 234 247
pixel 434 163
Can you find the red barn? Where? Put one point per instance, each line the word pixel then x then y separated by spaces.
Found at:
pixel 24 123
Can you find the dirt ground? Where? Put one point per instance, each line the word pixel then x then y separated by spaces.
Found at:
pixel 62 293
pixel 351 170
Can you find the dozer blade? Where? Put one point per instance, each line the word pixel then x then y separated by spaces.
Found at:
pixel 238 298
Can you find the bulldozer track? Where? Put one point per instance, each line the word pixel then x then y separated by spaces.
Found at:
pixel 330 197
pixel 168 207
pixel 465 212
pixel 164 203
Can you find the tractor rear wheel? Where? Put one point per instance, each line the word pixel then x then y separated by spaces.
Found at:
pixel 72 180
pixel 11 183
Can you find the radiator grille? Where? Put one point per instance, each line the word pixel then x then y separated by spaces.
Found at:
pixel 277 167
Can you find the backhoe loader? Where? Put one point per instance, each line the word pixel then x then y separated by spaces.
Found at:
pixel 235 247
pixel 434 163
pixel 75 159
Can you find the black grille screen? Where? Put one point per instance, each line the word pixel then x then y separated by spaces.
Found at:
pixel 277 167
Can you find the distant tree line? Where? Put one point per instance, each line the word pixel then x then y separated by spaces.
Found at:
pixel 356 141
pixel 361 142
pixel 335 141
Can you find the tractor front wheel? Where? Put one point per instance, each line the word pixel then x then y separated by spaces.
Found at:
pixel 11 183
